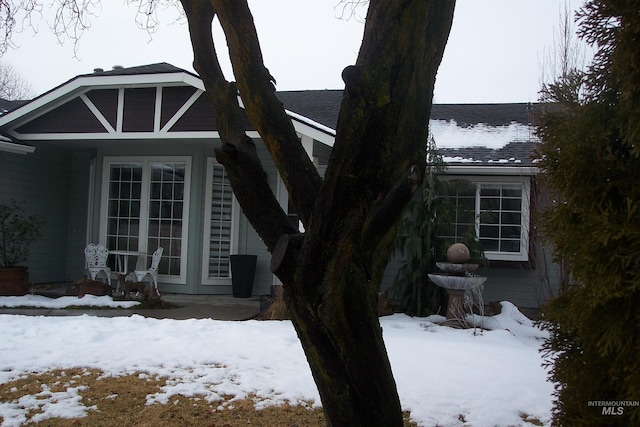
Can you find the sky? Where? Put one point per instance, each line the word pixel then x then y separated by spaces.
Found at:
pixel 491 376
pixel 494 54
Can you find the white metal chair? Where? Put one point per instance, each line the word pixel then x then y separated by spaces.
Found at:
pixel 96 260
pixel 152 271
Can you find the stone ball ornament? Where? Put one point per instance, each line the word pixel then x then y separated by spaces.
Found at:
pixel 458 253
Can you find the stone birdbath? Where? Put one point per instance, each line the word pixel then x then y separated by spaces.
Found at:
pixel 456 278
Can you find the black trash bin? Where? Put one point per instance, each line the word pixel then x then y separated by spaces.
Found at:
pixel 243 269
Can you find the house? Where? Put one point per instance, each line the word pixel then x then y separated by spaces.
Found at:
pixel 126 157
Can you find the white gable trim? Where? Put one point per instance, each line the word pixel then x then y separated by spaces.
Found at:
pixel 83 84
pixel 313 129
pixel 172 121
pixel 11 147
pixel 101 118
pixel 305 126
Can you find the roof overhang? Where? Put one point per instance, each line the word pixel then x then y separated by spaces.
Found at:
pixel 491 170
pixel 11 147
pixel 313 129
pixel 306 126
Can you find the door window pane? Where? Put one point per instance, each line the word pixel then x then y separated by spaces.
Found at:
pixel 122 221
pixel 165 214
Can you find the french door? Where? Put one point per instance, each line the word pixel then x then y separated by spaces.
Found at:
pixel 145 206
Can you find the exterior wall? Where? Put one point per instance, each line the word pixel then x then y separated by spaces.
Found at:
pixel 517 284
pixel 523 284
pixel 42 181
pixel 80 182
pixel 64 186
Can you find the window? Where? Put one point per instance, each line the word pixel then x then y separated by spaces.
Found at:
pixel 146 203
pixel 497 212
pixel 500 217
pixel 220 226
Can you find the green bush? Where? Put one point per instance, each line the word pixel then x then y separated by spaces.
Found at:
pixel 17 232
pixel 591 162
pixel 420 240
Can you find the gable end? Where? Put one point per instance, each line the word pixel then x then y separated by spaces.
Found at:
pixel 71 117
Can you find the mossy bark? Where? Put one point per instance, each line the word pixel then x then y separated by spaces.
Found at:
pixel 332 272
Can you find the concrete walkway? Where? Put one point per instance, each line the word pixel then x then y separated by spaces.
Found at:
pixel 218 307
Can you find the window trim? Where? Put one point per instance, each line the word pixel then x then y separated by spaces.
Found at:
pixel 235 228
pixel 146 161
pixel 525 181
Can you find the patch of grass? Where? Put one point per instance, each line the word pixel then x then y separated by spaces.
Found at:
pixel 121 401
pixel 277 310
pixel 531 420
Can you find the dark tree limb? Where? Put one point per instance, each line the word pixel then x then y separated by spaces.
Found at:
pixel 387 210
pixel 266 112
pixel 238 153
pixel 284 256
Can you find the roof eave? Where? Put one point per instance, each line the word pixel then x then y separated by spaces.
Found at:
pixel 312 129
pixel 11 147
pixel 492 170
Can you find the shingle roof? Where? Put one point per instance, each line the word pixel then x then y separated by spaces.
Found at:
pixel 516 153
pixel 158 68
pixel 6 105
pixel 489 114
pixel 323 106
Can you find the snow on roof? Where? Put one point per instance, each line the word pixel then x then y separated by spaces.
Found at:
pixel 448 134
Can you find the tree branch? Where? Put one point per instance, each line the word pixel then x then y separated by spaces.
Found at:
pixel 238 153
pixel 387 210
pixel 265 111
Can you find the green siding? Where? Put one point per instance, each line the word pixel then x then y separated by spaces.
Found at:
pixel 78 205
pixel 42 181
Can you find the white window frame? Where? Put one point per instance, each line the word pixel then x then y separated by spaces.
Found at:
pixel 235 227
pixel 144 209
pixel 525 182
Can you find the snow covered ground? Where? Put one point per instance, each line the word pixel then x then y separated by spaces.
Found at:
pixel 486 377
pixel 39 301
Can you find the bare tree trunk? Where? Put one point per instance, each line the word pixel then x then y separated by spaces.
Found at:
pixel 333 271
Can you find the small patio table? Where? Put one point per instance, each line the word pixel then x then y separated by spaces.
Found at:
pixel 122 261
